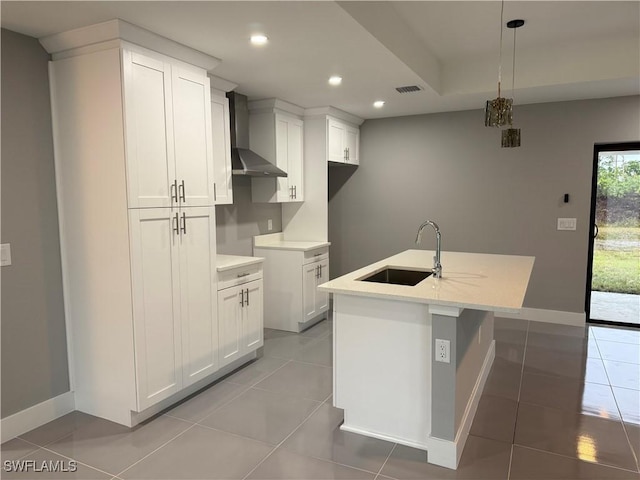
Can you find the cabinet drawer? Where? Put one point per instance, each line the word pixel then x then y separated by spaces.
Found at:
pixel 238 276
pixel 316 255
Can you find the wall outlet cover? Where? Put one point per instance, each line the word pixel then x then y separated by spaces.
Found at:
pixel 5 255
pixel 443 349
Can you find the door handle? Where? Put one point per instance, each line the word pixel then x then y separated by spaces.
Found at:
pixel 175 222
pixel 181 189
pixel 595 230
pixel 174 191
pixel 183 227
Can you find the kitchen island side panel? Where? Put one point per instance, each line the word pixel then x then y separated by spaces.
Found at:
pixel 382 368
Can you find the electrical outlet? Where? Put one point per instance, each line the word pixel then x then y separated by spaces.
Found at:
pixel 443 348
pixel 269 224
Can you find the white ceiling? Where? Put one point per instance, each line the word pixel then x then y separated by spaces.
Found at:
pixel 566 50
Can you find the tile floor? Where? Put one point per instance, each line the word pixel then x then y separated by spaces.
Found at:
pixel 560 403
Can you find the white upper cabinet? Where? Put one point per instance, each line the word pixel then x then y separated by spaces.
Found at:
pixel 278 136
pixel 343 142
pixel 168 132
pixel 221 140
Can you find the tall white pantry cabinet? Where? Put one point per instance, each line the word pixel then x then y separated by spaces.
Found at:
pixel 134 172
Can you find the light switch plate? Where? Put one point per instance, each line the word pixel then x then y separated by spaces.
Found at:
pixel 567 223
pixel 5 255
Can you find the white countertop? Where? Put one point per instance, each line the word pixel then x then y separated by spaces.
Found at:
pixel 277 241
pixel 469 280
pixel 228 262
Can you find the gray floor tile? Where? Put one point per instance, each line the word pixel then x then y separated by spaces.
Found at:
pixel 504 379
pixel 611 334
pixel 320 436
pixel 201 453
pixel 112 447
pixel 482 459
pixel 562 343
pixel 633 432
pixel 285 345
pixel 528 464
pixel 256 371
pixel 262 415
pixel 320 329
pixel 550 362
pixel 592 348
pixel 318 352
pixel 206 402
pixel 628 403
pixel 58 428
pixel 573 434
pixel 283 464
pixel 511 352
pixel 495 418
pixel 619 352
pixel 595 372
pixel 621 374
pixel 51 467
pixel 569 394
pixel 16 448
pixel 302 380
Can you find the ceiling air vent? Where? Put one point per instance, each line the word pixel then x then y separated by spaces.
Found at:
pixel 409 89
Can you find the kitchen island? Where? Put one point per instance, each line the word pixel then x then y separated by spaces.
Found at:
pixel 389 377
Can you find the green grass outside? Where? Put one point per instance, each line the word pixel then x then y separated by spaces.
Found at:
pixel 616 268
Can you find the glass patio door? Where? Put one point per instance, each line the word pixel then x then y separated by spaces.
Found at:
pixel 615 249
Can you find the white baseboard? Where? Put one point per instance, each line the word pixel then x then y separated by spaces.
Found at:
pixel 548 316
pixel 38 415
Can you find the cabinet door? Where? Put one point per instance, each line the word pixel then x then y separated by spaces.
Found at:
pixel 192 137
pixel 252 317
pixel 149 123
pixel 221 144
pixel 284 186
pixel 309 282
pixel 230 301
pixel 335 141
pixel 198 294
pixel 322 298
pixel 352 141
pixel 156 304
pixel 295 157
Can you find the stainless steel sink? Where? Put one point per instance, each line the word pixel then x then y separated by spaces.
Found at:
pixel 397 276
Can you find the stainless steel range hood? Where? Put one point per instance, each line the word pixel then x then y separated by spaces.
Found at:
pixel 243 160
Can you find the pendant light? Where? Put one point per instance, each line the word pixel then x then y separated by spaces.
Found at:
pixel 511 136
pixel 497 112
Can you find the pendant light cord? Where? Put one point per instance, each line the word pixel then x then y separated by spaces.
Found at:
pixel 500 50
pixel 513 76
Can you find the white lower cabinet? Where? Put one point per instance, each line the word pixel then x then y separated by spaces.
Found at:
pixel 240 313
pixel 174 299
pixel 292 300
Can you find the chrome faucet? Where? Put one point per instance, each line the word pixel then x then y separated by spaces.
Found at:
pixel 437 267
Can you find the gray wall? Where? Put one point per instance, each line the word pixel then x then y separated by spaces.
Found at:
pixel 237 224
pixel 450 168
pixel 34 350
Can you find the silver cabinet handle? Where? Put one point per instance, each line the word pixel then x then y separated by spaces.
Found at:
pixel 243 274
pixel 181 189
pixel 215 196
pixel 247 297
pixel 295 191
pixel 183 227
pixel 175 228
pixel 242 298
pixel 320 276
pixel 174 191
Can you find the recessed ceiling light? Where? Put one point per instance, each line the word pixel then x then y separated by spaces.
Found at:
pixel 378 103
pixel 335 80
pixel 259 39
